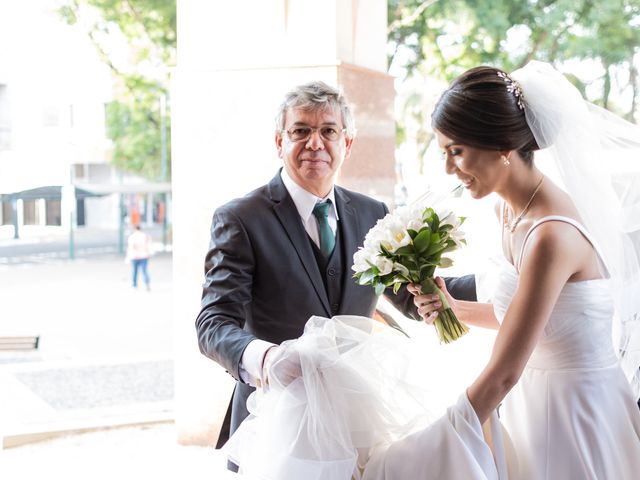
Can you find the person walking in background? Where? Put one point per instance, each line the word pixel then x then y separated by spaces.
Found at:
pixel 138 253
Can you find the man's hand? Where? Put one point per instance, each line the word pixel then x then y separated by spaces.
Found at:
pixel 281 365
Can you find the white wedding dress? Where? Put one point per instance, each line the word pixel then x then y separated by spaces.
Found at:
pixel 572 414
pixel 364 407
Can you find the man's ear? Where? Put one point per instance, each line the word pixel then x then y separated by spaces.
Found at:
pixel 279 144
pixel 348 143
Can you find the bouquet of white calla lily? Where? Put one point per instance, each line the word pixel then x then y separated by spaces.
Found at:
pixel 406 246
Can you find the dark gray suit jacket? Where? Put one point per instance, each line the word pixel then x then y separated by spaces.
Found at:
pixel 262 279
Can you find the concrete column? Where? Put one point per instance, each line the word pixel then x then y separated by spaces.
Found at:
pixel 17 216
pixel 148 209
pixel 42 212
pixel 235 62
pixel 20 212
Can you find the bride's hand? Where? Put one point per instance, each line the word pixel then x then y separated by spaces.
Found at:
pixel 429 304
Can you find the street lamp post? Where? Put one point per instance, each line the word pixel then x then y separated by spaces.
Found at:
pixel 69 197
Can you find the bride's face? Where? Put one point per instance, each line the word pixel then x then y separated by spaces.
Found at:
pixel 480 171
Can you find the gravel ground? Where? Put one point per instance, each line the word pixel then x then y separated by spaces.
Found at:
pixel 102 386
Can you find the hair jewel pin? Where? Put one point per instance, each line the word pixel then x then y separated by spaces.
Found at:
pixel 514 88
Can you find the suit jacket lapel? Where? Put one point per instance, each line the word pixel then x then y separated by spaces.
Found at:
pixel 352 238
pixel 288 216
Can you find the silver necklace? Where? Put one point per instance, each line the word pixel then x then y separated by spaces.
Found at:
pixel 511 226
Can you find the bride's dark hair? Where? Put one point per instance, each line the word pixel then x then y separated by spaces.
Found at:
pixel 479 110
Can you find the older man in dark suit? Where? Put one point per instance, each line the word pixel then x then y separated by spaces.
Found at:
pixel 283 253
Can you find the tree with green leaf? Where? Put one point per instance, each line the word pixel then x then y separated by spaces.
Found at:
pixel 441 39
pixel 146 31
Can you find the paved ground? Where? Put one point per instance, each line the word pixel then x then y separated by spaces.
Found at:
pixel 123 454
pixel 43 244
pixel 105 357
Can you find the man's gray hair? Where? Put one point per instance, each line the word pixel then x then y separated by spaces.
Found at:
pixel 316 96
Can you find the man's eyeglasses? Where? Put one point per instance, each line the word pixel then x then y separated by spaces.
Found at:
pixel 302 133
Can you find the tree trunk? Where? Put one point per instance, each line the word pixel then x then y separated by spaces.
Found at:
pixel 606 88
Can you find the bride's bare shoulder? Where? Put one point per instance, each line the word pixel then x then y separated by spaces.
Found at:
pixel 557 203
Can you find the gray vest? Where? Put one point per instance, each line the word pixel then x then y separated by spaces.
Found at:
pixel 332 270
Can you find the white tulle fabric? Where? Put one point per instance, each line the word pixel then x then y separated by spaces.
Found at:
pixel 597 157
pixel 572 414
pixel 361 410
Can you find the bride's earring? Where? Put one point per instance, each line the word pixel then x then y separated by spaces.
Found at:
pixel 505 160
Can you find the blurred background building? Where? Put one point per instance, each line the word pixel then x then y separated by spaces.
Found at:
pixel 56 172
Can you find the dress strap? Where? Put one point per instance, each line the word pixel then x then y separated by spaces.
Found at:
pixel 571 221
pixel 503 215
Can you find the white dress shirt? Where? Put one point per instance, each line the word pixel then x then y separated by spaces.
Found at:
pixel 253 355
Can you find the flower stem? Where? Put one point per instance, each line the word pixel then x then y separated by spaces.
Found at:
pixel 447 325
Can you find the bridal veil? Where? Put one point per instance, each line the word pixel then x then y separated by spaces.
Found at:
pixel 597 159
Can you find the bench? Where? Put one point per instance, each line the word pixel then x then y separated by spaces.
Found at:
pixel 19 342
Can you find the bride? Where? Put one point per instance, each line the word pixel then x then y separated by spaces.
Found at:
pixel 570 268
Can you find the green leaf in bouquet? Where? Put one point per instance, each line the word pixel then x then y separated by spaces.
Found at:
pixel 435 223
pixel 406 250
pixel 387 279
pixel 435 248
pixel 409 262
pixel 396 287
pixel 445 262
pixel 373 268
pixel 427 270
pixel 379 288
pixel 412 233
pixel 397 279
pixel 367 277
pixel 432 261
pixel 400 268
pixel 423 240
pixel 428 214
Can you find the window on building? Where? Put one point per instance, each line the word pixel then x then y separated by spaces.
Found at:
pixel 31 213
pixel 54 212
pixel 80 213
pixel 81 171
pixel 5 119
pixel 7 217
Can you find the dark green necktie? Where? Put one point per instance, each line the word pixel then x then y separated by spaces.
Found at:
pixel 327 240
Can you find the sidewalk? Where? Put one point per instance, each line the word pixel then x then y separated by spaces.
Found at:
pixel 123 454
pixel 42 244
pixel 105 360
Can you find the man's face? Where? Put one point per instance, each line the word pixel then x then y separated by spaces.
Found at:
pixel 313 163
